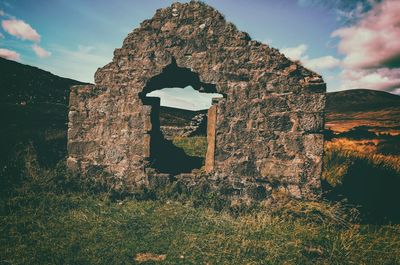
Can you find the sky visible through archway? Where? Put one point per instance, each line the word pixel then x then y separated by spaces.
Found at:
pixel 184 98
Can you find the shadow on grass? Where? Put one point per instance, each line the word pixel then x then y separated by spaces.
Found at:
pixel 373 187
pixel 169 158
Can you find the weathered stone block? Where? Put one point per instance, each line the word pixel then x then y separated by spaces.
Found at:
pixel 314 88
pixel 81 148
pixel 314 144
pixel 146 145
pixel 281 171
pixel 307 102
pixel 311 122
pixel 77 117
pixel 78 94
pixel 274 103
pixel 114 155
pixel 294 191
pixel 73 164
pixel 278 122
pixel 147 125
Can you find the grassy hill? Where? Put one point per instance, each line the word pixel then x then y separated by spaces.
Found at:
pixel 356 100
pixel 177 117
pixel 21 83
pixel 377 110
pixel 33 109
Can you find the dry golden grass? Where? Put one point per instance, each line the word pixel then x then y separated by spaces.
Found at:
pixel 357 146
pixel 388 121
pixel 145 257
pixel 366 149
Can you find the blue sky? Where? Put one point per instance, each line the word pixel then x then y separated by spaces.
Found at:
pixel 351 43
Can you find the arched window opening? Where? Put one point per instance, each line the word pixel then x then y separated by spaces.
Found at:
pixel 179 104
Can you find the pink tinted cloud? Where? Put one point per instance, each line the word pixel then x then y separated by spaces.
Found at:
pixel 380 79
pixel 374 41
pixel 9 54
pixel 372 49
pixel 20 29
pixel 40 52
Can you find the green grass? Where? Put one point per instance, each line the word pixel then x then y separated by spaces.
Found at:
pixel 47 219
pixel 193 146
pixel 83 229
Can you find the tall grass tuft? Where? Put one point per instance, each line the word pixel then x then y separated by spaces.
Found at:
pixel 369 181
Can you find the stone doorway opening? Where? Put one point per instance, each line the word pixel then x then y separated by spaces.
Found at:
pixel 177 105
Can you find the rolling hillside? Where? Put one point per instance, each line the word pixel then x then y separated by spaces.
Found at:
pixel 377 110
pixel 177 117
pixel 357 100
pixel 33 110
pixel 21 83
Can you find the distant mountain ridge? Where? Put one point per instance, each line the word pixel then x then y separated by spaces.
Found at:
pixel 356 100
pixel 376 110
pixel 20 83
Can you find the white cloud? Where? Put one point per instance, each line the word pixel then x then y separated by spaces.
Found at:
pixel 396 91
pixel 351 15
pixel 267 41
pixel 85 49
pixel 319 63
pixel 324 62
pixel 184 98
pixel 295 53
pixel 20 29
pixel 80 63
pixel 40 52
pixel 2 13
pixel 9 54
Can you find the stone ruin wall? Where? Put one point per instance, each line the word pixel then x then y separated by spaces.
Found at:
pixel 196 127
pixel 268 127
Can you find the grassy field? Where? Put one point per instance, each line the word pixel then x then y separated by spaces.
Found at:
pixel 83 229
pixel 48 219
pixel 193 146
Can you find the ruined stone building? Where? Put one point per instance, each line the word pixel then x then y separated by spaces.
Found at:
pixel 265 133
